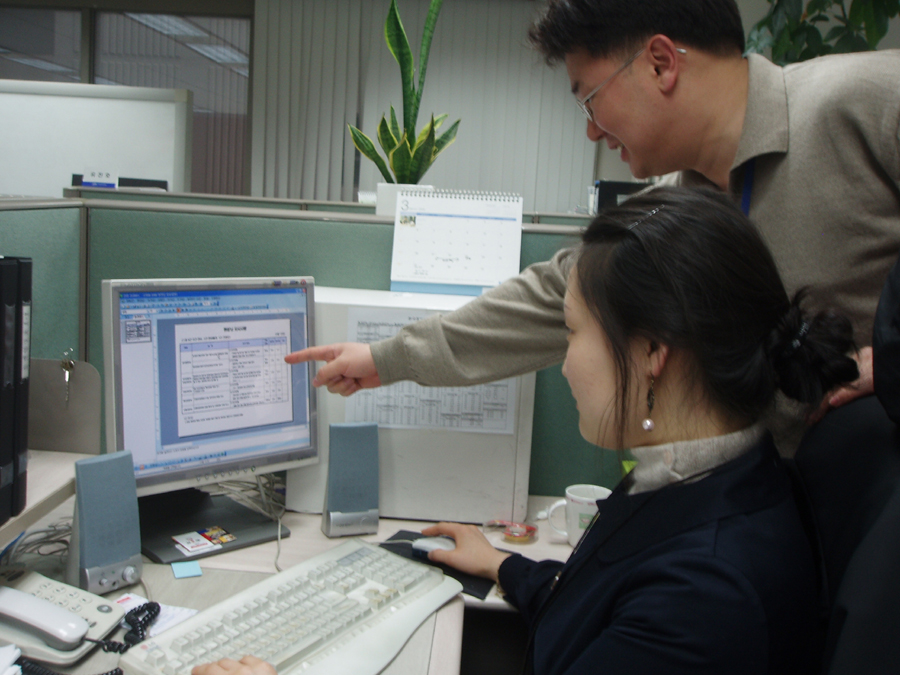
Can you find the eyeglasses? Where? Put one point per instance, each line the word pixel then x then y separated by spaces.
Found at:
pixel 583 102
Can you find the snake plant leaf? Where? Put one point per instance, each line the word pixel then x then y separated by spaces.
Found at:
pixel 395 128
pixel 401 161
pixel 423 154
pixel 446 138
pixel 437 121
pixel 386 137
pixel 364 144
pixel 427 35
pixel 398 43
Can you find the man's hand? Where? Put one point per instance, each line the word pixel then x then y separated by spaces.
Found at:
pixel 249 665
pixel 863 386
pixel 349 366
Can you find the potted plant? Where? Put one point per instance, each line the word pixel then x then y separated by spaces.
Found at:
pixel 408 155
pixel 794 33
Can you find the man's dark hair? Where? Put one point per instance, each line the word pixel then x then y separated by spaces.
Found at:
pixel 611 27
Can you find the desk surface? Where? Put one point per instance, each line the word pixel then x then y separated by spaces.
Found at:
pixel 51 481
pixel 435 648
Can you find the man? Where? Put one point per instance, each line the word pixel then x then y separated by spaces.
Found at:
pixel 811 151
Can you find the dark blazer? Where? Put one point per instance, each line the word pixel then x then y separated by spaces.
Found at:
pixel 711 576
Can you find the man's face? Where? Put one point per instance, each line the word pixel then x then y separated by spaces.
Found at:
pixel 622 110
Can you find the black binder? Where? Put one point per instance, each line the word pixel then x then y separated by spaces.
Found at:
pixel 9 281
pixel 21 379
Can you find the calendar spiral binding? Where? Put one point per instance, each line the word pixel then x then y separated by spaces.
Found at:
pixel 471 195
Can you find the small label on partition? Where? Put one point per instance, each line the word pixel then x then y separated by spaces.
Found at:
pixel 99 178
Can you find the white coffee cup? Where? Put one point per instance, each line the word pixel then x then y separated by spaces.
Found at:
pixel 581 505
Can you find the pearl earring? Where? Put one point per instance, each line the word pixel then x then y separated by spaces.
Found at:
pixel 648 424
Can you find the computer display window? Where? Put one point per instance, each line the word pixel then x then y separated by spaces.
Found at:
pixel 203 377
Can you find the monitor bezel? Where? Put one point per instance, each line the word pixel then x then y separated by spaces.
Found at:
pixel 239 469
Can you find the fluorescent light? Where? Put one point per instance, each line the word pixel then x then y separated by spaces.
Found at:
pixel 38 63
pixel 167 24
pixel 220 53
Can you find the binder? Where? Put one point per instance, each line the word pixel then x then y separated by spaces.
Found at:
pixel 21 382
pixel 9 279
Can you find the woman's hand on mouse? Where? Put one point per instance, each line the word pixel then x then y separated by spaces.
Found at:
pixel 473 553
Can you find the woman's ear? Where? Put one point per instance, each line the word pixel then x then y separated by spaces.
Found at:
pixel 658 355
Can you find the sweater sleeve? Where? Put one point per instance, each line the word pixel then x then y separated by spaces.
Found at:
pixel 526 583
pixel 512 329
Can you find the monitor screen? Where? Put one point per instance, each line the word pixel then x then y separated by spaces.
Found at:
pixel 196 384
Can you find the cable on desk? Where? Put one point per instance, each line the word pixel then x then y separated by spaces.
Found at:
pixel 55 536
pixel 265 496
pixel 30 667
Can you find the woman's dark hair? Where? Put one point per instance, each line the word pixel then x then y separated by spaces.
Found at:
pixel 685 267
pixel 607 27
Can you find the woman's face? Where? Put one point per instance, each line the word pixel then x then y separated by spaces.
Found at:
pixel 590 369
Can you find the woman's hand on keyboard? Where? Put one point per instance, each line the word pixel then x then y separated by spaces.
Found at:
pixel 249 665
pixel 473 553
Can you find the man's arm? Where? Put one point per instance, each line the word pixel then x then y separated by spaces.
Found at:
pixel 515 328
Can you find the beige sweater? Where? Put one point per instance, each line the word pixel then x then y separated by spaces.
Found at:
pixel 826 197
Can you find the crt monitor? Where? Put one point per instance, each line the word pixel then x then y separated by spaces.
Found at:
pixel 198 391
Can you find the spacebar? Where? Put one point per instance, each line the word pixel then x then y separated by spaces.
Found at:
pixel 371 651
pixel 298 651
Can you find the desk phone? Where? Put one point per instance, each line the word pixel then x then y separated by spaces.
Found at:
pixel 48 620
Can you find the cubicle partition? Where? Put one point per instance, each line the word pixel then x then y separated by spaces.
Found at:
pixel 51 233
pixel 144 238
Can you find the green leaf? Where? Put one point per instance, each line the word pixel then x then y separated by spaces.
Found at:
pixel 401 160
pixel 395 127
pixel 423 154
pixel 891 7
pixel 427 34
pixel 760 39
pixel 814 41
pixel 446 138
pixel 398 43
pixel 436 121
pixel 875 20
pixel 793 11
pixel 851 42
pixel 386 137
pixel 835 33
pixel 364 144
pixel 857 12
pixel 817 6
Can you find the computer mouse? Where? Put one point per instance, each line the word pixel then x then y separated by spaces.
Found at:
pixel 421 546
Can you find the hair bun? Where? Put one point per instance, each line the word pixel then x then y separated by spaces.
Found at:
pixel 810 356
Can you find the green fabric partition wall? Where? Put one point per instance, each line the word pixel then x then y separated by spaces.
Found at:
pixel 125 244
pixel 134 242
pixel 51 236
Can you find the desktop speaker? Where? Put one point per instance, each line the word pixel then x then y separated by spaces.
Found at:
pixel 351 490
pixel 105 549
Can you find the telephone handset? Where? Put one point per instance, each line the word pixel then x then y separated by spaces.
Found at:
pixel 49 620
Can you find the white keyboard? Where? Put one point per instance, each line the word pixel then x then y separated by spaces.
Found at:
pixel 349 610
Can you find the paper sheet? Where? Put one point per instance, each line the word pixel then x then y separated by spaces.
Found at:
pixel 485 408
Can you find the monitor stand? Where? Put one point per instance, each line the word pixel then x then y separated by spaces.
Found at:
pixel 172 513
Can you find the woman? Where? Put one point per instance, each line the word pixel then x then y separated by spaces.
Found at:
pixel 680 331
